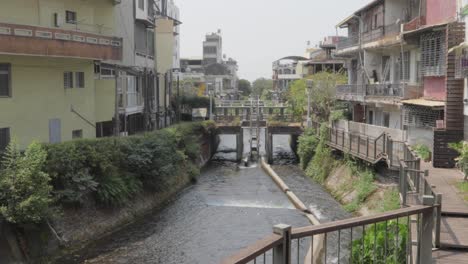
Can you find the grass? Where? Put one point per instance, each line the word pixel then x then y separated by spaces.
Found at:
pixel 390 201
pixel 463 187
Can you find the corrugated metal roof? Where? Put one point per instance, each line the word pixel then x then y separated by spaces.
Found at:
pixel 424 102
pixel 369 5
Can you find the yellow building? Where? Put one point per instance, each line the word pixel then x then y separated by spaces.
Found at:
pixel 48 50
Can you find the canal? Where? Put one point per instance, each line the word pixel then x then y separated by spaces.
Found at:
pixel 230 207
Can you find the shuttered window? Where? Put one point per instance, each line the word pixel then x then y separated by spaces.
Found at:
pixel 4 138
pixel 77 134
pixel 80 79
pixel 68 80
pixel 5 80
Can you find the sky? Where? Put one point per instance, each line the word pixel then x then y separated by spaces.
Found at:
pixel 258 32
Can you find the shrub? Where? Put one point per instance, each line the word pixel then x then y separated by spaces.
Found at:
pixel 306 149
pixel 364 185
pixel 116 190
pixel 322 162
pixel 25 195
pixel 384 241
pixel 423 151
pixel 390 201
pixel 462 160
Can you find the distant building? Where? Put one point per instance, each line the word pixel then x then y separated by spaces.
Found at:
pixel 215 72
pixel 213 48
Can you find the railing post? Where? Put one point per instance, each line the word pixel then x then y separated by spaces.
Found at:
pixel 390 150
pixel 438 203
pixel 359 144
pixel 403 184
pixel 427 224
pixel 343 139
pixel 282 252
pixel 350 142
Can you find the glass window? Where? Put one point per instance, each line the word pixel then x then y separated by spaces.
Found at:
pixel 4 138
pixel 70 17
pixel 80 80
pixel 77 134
pixel 5 80
pixel 68 80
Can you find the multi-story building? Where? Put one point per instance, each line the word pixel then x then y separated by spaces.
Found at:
pixel 400 72
pixel 48 51
pixel 135 22
pixel 213 48
pixel 174 13
pixel 322 58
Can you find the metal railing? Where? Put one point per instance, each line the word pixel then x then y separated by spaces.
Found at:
pixel 401 236
pixel 393 90
pixel 360 91
pixel 347 42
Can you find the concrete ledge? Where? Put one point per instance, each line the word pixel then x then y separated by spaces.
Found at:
pixel 315 254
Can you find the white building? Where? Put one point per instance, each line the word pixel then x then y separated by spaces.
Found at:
pixel 213 48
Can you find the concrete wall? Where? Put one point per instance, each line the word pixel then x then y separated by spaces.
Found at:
pixel 370 130
pixel 394 10
pixel 418 135
pixel 38 95
pixel 434 88
pixel 439 11
pixel 105 100
pixel 41 12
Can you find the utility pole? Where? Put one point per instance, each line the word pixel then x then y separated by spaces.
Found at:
pixel 178 98
pixel 158 122
pixel 310 85
pixel 116 105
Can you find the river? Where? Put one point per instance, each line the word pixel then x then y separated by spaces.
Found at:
pixel 230 207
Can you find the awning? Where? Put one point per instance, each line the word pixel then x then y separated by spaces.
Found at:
pixel 426 103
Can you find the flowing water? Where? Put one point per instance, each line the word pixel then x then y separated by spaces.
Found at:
pixel 230 207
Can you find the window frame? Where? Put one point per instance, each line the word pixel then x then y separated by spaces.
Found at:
pixel 74 14
pixel 77 134
pixel 8 70
pixel 80 76
pixel 8 138
pixel 141 5
pixel 70 83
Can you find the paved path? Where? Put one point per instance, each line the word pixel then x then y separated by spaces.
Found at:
pixel 454 223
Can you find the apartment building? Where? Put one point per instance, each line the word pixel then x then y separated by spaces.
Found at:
pixel 317 59
pixel 401 75
pixel 48 51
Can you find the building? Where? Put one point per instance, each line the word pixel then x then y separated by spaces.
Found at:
pixel 212 71
pixel 174 13
pixel 48 51
pixel 400 73
pixel 322 58
pixel 135 22
pixel 213 48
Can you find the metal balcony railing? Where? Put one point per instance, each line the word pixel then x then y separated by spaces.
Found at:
pixel 347 42
pixel 359 92
pixel 393 90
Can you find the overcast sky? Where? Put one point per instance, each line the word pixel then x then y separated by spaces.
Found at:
pixel 258 32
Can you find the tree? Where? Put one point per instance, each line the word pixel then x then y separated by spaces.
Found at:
pixel 245 87
pixel 261 87
pixel 322 94
pixel 25 192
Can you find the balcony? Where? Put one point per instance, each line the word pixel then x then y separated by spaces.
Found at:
pixel 387 34
pixel 377 92
pixel 347 42
pixel 42 41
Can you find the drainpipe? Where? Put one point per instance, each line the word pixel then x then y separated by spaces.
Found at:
pixel 116 105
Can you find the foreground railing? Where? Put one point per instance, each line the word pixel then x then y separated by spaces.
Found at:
pixel 400 236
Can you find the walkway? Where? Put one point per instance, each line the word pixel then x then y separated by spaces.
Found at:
pixel 454 220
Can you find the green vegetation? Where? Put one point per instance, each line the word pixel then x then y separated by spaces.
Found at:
pixel 462 160
pixel 245 87
pixel 364 185
pixel 109 171
pixel 322 95
pixel 423 151
pixel 463 187
pixel 390 201
pixel 261 87
pixel 308 143
pixel 25 195
pixel 384 242
pixel 195 101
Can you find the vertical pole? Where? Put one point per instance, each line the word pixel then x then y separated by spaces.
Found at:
pixel 282 252
pixel 404 184
pixel 427 223
pixel 438 203
pixel 211 105
pixel 359 144
pixel 158 103
pixel 116 110
pixel 178 99
pixel 165 99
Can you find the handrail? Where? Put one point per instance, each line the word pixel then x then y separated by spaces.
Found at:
pixel 358 221
pixel 250 253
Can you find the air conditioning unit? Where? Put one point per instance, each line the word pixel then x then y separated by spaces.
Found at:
pixel 58 20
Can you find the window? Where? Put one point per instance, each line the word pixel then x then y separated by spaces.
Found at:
pixel 405 64
pixel 370 118
pixel 386 119
pixel 68 80
pixel 80 80
pixel 375 22
pixel 433 54
pixel 386 68
pixel 77 134
pixel 70 17
pixel 4 138
pixel 5 80
pixel 107 73
pixel 141 4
